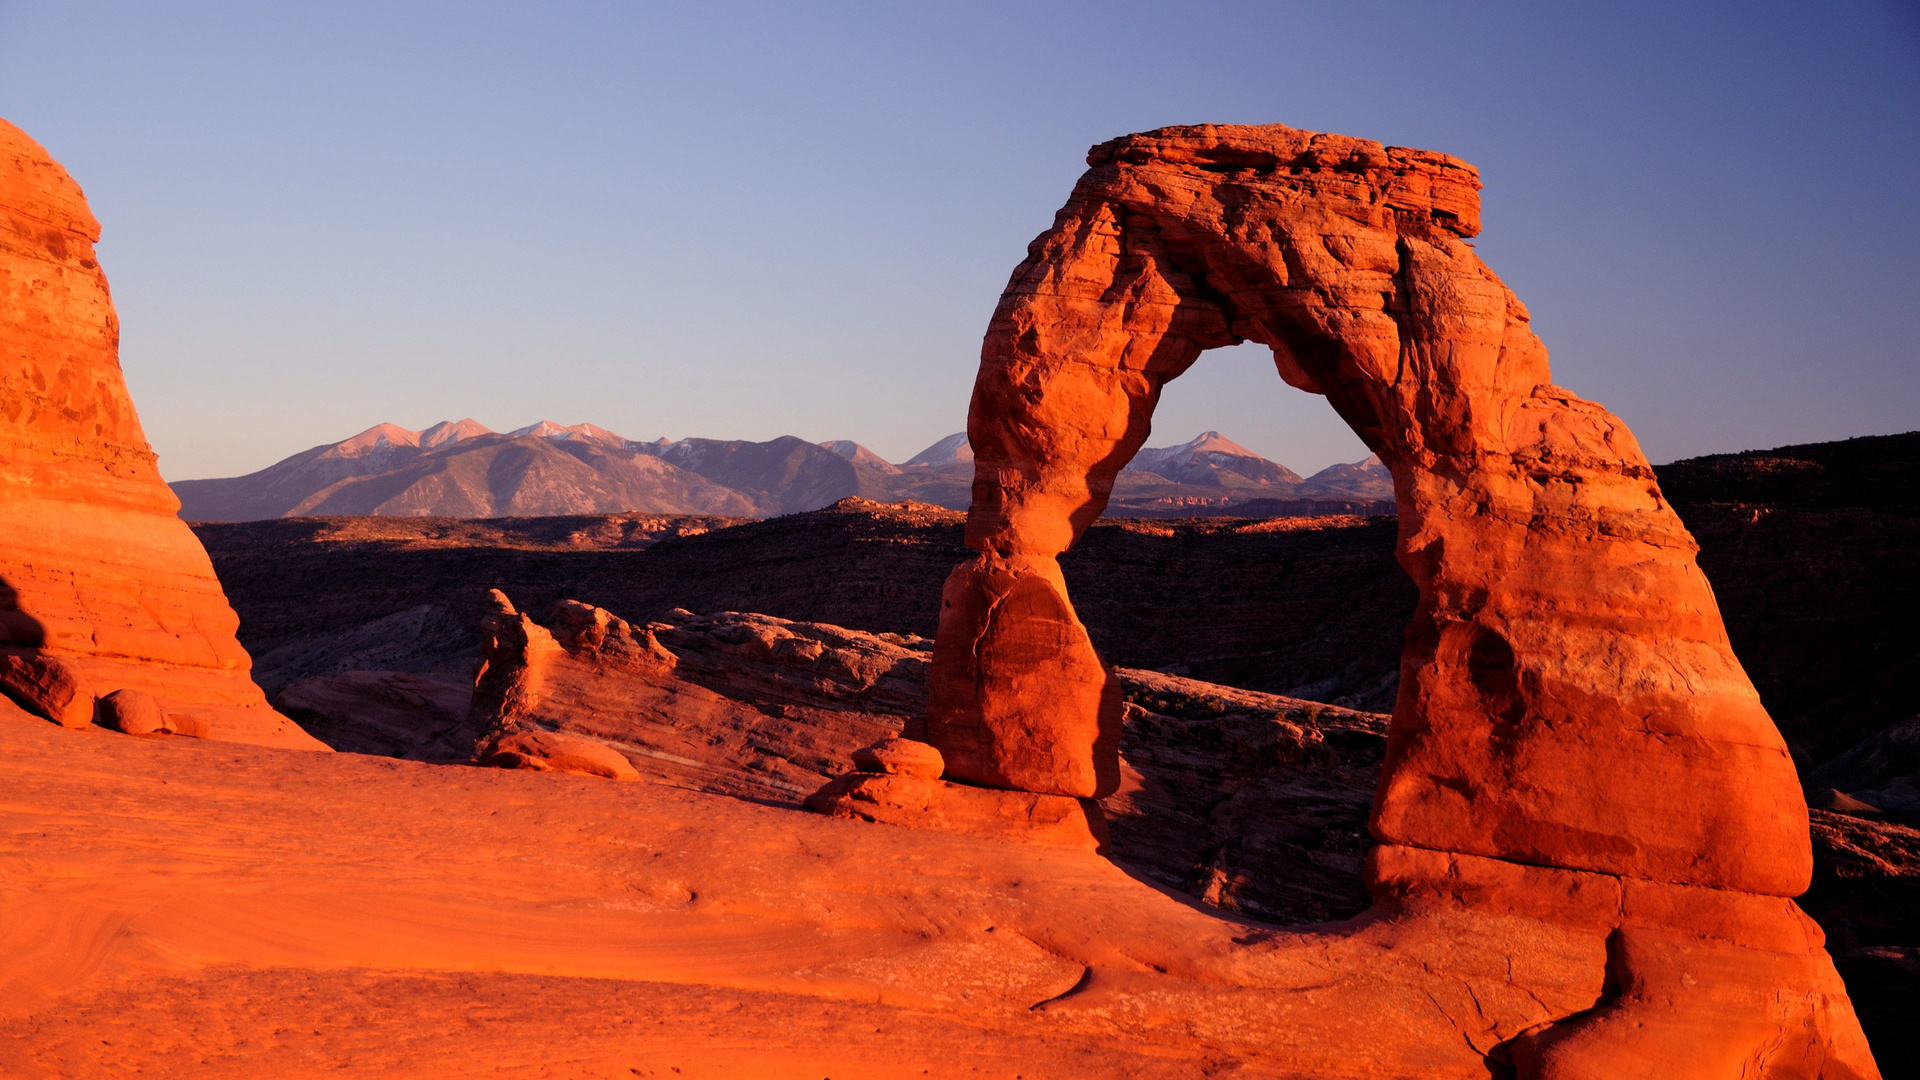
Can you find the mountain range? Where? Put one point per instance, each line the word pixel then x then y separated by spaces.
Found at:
pixel 464 469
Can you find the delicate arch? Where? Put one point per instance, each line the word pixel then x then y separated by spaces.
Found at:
pixel 1568 694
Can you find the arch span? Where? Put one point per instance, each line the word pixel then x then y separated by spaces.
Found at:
pixel 1569 700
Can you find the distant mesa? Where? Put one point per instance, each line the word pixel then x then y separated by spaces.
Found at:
pixel 465 469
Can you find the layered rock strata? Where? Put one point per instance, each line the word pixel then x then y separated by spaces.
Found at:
pixel 1573 740
pixel 95 570
pixel 741 704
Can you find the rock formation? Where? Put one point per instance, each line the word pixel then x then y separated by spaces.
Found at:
pixel 897 781
pixel 96 572
pixel 1574 741
pixel 744 705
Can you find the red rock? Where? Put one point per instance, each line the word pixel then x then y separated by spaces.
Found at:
pixel 1570 710
pixel 1564 635
pixel 516 652
pixel 95 569
pixel 921 803
pixel 1008 628
pixel 49 687
pixel 582 627
pixel 227 888
pixel 747 705
pixel 552 751
pixel 134 712
pixel 900 757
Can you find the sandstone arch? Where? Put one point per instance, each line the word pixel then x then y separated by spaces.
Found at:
pixel 1571 715
pixel 96 570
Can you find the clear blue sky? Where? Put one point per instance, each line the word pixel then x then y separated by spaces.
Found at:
pixel 747 220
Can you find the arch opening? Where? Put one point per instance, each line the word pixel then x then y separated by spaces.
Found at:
pixel 1573 743
pixel 1527 515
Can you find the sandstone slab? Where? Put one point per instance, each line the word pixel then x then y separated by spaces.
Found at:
pixel 552 751
pixel 921 803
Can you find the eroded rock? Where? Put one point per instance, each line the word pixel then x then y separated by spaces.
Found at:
pixel 47 686
pixel 744 705
pixel 900 757
pixel 135 713
pixel 923 803
pixel 1571 724
pixel 800 663
pixel 95 569
pixel 551 751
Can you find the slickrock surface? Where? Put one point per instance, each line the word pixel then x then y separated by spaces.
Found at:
pixel 171 905
pixel 1811 595
pixel 1250 802
pixel 95 569
pixel 1573 737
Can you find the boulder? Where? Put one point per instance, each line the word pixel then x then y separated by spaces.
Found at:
pixel 95 567
pixel 900 757
pixel 552 751
pixel 134 712
pixel 921 803
pixel 47 686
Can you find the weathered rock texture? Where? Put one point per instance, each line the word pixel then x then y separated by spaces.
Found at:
pixel 921 803
pixel 1573 739
pixel 95 569
pixel 744 705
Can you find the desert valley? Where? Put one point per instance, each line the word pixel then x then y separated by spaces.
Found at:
pixel 1500 752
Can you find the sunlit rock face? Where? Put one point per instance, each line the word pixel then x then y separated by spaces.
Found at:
pixel 1573 739
pixel 95 569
